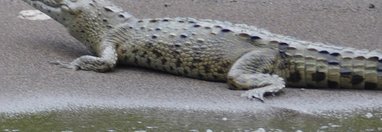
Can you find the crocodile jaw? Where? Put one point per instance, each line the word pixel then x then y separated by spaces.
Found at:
pixel 49 7
pixel 60 10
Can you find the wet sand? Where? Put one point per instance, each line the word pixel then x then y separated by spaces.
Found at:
pixel 30 84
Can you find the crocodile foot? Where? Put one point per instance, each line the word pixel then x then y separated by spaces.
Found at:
pixel 64 65
pixel 259 93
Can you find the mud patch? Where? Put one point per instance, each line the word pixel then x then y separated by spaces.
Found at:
pixel 33 15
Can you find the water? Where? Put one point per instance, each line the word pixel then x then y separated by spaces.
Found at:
pixel 146 120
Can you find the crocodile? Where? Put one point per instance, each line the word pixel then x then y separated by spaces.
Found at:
pixel 245 57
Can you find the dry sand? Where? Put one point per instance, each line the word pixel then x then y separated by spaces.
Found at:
pixel 28 83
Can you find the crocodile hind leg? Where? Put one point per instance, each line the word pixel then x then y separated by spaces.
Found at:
pixel 106 60
pixel 253 72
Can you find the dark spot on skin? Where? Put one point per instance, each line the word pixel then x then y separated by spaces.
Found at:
pixel 283 47
pixel 142 28
pixel 345 72
pixel 104 20
pixel 374 58
pixel 217 26
pixel 154 37
pixel 255 38
pixel 153 21
pixel 334 62
pixel 196 26
pixel 197 53
pixel 82 31
pixel 371 6
pixel 294 77
pixel 109 27
pixel 356 79
pixel 49 11
pixel 371 86
pixel 207 27
pixel 140 21
pixel 157 29
pixel 318 76
pixel 283 44
pixel 171 68
pixel 181 21
pixel 323 52
pixel 183 36
pixel 360 57
pixel 226 30
pixel 108 9
pixel 191 22
pixel 244 35
pixel 332 84
pixel 335 54
pixel 163 61
pixel 121 16
pixel 165 20
pixel 177 45
pixel 312 49
pixel 292 48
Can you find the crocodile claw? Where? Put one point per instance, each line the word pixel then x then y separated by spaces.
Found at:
pixel 63 65
pixel 254 94
pixel 259 93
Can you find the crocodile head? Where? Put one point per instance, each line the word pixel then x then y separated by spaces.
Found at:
pixel 60 10
pixel 86 20
pixel 66 11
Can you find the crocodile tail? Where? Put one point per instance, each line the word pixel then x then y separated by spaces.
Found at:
pixel 323 66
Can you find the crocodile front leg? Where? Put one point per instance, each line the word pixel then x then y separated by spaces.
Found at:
pixel 252 72
pixel 105 62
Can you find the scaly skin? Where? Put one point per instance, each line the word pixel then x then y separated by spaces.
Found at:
pixel 246 57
